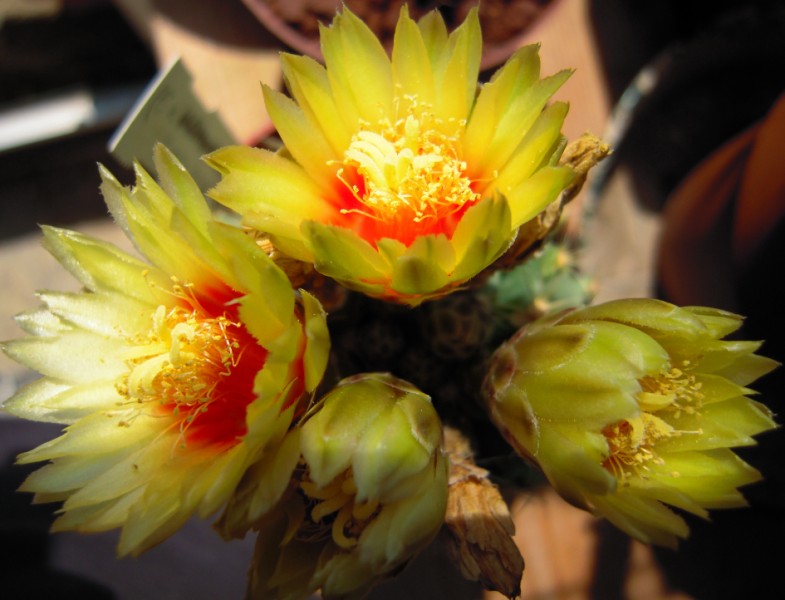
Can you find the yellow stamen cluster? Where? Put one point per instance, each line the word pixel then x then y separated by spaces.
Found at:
pixel 334 507
pixel 632 442
pixel 676 390
pixel 181 362
pixel 412 169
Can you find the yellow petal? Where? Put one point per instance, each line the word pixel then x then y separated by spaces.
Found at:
pixel 456 85
pixel 643 518
pixel 106 313
pixel 709 477
pixel 538 191
pixel 310 87
pixel 359 70
pixel 52 401
pixel 77 357
pixel 318 350
pixel 258 181
pixel 518 74
pixel 535 149
pixel 91 437
pixel 40 321
pixel 101 266
pixel 434 35
pixel 303 138
pixel 343 255
pixel 417 277
pixel 412 69
pixel 181 188
pixel 391 249
pixel 719 425
pixel 484 233
pixel 518 118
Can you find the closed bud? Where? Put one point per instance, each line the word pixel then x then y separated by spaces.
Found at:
pixel 370 491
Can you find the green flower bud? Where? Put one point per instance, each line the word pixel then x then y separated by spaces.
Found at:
pixel 370 491
pixel 631 405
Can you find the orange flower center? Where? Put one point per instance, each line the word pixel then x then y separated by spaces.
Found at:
pixel 405 179
pixel 199 370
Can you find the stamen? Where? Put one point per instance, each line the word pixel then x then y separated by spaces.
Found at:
pixel 335 510
pixel 329 506
pixel 676 390
pixel 411 170
pixel 632 443
pixel 179 366
pixel 339 525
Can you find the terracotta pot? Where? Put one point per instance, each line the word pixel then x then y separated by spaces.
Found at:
pixel 296 22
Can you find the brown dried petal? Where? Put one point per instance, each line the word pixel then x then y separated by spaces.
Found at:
pixel 581 155
pixel 479 523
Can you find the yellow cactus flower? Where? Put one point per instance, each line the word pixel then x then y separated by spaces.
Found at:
pixel 401 179
pixel 370 491
pixel 172 377
pixel 631 405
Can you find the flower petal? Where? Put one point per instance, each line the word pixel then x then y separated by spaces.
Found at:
pixel 101 266
pixel 481 237
pixel 536 148
pixel 343 255
pixel 518 73
pixel 258 181
pixel 318 349
pixel 76 357
pixel 359 70
pixel 538 191
pixel 517 119
pixel 720 425
pixel 303 138
pixel 416 274
pixel 411 66
pixel 456 84
pixel 310 87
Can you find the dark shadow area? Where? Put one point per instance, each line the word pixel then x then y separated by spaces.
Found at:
pixel 24 529
pixel 94 47
pixel 55 183
pixel 612 561
pixel 711 72
pixel 631 34
pixel 737 555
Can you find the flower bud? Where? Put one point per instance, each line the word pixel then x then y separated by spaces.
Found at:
pixel 630 405
pixel 370 491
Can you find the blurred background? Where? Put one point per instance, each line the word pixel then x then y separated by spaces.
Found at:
pixel 688 208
